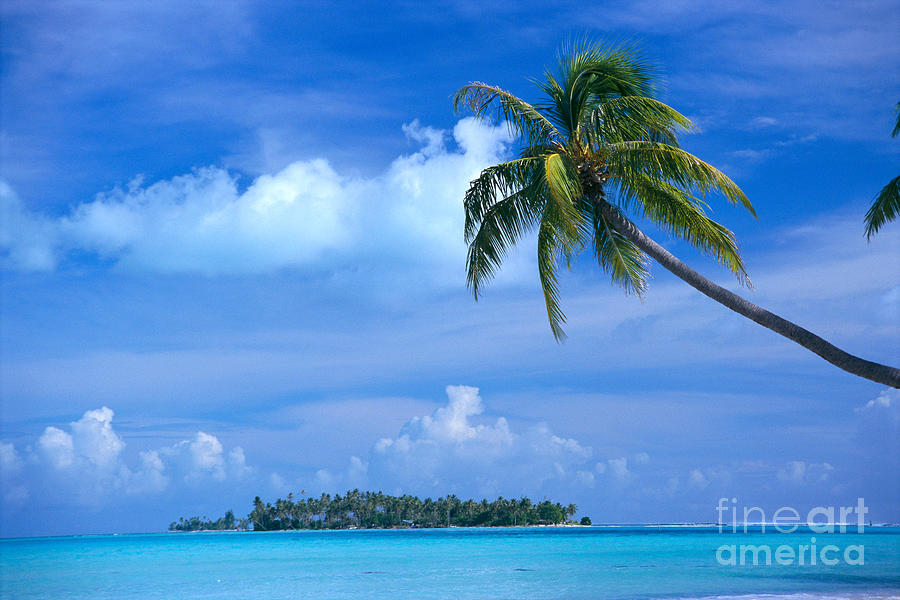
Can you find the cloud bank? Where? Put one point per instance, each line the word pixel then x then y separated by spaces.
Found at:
pixel 306 215
pixel 85 466
pixel 454 451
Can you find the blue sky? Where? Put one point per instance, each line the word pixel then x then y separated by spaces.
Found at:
pixel 233 266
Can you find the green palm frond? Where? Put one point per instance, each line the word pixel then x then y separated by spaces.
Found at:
pixel 539 150
pixel 887 203
pixel 885 208
pixel 683 216
pixel 562 180
pixel 557 109
pixel 897 125
pixel 632 118
pixel 606 70
pixel 633 160
pixel 587 75
pixel 550 242
pixel 618 256
pixel 522 118
pixel 561 233
pixel 617 70
pixel 564 189
pixel 494 183
pixel 500 228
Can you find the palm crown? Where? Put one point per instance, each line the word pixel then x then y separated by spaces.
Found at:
pixel 596 148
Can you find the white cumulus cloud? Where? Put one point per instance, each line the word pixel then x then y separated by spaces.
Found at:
pixel 204 457
pixel 885 399
pixel 307 215
pixel 56 447
pixel 10 461
pixel 798 471
pixel 456 450
pixel 86 465
pixel 13 494
pixel 27 240
pixel 206 454
pixel 94 439
pixel 618 467
pixel 698 479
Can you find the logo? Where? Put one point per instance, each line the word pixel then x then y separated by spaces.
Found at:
pixel 787 520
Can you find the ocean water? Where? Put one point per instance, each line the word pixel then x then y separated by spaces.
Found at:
pixel 570 563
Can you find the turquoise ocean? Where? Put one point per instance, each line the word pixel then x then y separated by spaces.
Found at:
pixel 570 563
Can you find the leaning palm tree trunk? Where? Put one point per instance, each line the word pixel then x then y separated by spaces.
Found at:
pixel 852 364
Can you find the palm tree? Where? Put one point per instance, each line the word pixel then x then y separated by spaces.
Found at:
pixel 597 147
pixel 887 204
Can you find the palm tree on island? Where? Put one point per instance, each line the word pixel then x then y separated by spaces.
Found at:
pixel 597 147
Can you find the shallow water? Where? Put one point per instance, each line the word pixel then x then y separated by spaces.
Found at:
pixel 584 562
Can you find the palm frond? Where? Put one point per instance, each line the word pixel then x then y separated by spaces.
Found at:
pixel 488 101
pixel 625 263
pixel 663 162
pixel 897 125
pixel 549 242
pixel 562 233
pixel 634 118
pixel 607 69
pixel 885 208
pixel 557 106
pixel 682 216
pixel 536 150
pixel 589 73
pixel 562 179
pixel 494 183
pixel 564 187
pixel 499 229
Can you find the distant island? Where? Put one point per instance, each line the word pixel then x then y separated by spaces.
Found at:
pixel 375 510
